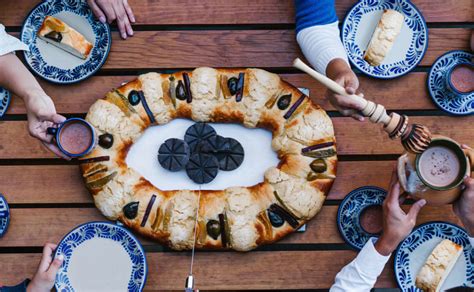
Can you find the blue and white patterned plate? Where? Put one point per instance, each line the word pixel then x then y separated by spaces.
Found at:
pixel 442 96
pixel 4 101
pixel 408 49
pixel 54 64
pixel 101 256
pixel 4 215
pixel 348 214
pixel 412 253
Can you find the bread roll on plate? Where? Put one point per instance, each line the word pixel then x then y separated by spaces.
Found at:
pixel 438 266
pixel 384 36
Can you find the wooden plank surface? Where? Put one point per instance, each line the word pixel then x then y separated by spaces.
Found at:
pixel 63 183
pixel 180 12
pixel 353 137
pixel 237 48
pixel 406 93
pixel 219 33
pixel 35 226
pixel 225 270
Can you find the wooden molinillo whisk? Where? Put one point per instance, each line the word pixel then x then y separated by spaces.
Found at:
pixel 415 138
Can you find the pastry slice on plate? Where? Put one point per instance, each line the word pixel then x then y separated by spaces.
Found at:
pixel 61 35
pixel 438 266
pixel 384 37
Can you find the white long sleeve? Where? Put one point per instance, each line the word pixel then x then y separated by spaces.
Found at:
pixel 362 272
pixel 321 44
pixel 8 43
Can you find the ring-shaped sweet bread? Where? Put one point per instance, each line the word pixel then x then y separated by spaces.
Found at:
pixel 239 218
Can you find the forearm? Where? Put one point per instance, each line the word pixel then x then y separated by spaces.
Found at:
pixel 321 45
pixel 16 78
pixel 361 274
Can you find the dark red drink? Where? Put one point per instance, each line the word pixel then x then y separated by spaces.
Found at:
pixel 75 137
pixel 371 219
pixel 462 78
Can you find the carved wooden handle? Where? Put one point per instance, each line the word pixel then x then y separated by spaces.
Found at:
pixel 375 112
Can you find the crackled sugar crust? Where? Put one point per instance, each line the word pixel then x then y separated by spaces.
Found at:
pixel 171 214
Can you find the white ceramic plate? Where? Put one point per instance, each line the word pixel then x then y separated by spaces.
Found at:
pixel 415 249
pixel 101 256
pixel 4 215
pixel 54 64
pixel 443 97
pixel 4 101
pixel 408 49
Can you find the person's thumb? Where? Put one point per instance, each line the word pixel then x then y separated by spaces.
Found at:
pixel 415 208
pixel 57 119
pixel 55 265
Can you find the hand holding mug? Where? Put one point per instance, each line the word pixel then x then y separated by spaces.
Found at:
pixel 396 223
pixel 41 116
pixel 464 206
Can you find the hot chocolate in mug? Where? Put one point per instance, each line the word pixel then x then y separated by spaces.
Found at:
pixel 75 137
pixel 436 174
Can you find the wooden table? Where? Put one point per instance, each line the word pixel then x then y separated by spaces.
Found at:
pixel 47 197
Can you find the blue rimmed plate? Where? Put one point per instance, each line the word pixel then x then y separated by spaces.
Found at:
pixel 4 215
pixel 349 213
pixel 408 49
pixel 443 97
pixel 54 64
pixel 4 101
pixel 101 256
pixel 412 253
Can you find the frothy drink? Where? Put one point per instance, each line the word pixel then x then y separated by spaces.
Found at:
pixel 439 166
pixel 75 137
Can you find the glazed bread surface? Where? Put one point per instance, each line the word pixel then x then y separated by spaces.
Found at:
pixel 239 218
pixel 438 266
pixel 61 35
pixel 384 37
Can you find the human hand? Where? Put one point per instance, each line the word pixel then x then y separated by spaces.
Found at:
pixel 42 115
pixel 110 10
pixel 396 223
pixel 45 276
pixel 464 206
pixel 339 71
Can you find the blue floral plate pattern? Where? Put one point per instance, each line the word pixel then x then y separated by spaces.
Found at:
pixel 411 44
pixel 4 101
pixel 444 98
pixel 4 215
pixel 412 253
pixel 102 230
pixel 349 212
pixel 64 73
